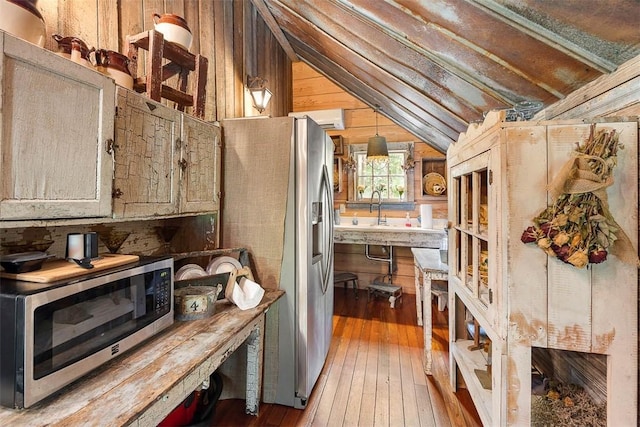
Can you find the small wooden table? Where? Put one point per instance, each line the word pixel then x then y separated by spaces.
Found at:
pixel 427 265
pixel 142 386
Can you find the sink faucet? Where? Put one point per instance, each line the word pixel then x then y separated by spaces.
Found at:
pixel 379 203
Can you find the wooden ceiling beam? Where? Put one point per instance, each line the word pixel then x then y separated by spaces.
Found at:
pixel 546 36
pixel 277 32
pixel 390 108
pixel 457 50
pixel 438 88
pixel 373 75
pixel 376 80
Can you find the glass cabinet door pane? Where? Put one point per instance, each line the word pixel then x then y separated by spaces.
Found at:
pixel 483 271
pixel 468 248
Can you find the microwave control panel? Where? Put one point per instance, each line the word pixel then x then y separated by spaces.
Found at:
pixel 163 290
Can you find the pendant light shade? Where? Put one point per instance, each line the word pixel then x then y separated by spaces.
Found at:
pixel 377 148
pixel 377 145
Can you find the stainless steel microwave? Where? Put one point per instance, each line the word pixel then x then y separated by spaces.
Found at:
pixel 52 334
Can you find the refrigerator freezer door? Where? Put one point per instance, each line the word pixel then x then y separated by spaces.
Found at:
pixel 315 255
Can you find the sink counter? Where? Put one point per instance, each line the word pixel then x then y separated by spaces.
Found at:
pixel 388 235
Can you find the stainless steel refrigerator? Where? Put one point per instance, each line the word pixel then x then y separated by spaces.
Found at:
pixel 278 203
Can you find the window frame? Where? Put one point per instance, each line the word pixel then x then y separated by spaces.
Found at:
pixel 358 153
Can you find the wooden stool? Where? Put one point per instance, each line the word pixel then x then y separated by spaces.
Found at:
pixel 180 62
pixel 345 278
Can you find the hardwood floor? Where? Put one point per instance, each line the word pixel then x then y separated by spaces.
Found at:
pixel 373 374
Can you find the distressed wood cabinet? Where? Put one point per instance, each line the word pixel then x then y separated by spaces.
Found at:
pixel 521 298
pixel 56 118
pixel 166 163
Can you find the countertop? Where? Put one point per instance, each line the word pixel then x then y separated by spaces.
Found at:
pixel 165 368
pixel 395 234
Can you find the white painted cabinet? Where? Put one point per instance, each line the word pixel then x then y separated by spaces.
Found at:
pixel 167 163
pixel 55 120
pixel 68 153
pixel 522 298
pixel 200 166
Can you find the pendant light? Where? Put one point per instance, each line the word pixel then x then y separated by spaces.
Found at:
pixel 377 145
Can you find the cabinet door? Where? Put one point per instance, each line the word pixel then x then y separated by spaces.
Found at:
pixel 56 117
pixel 146 157
pixel 199 166
pixel 471 247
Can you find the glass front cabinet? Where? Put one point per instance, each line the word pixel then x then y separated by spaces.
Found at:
pixel 511 302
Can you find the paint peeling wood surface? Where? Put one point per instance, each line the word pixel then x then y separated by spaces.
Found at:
pixel 417 239
pixel 427 264
pixel 539 301
pixel 166 163
pixel 56 118
pixel 200 166
pixel 142 386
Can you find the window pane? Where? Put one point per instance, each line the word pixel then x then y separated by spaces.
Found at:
pixel 388 177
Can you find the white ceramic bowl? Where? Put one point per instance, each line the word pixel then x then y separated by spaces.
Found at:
pixel 174 29
pixel 22 19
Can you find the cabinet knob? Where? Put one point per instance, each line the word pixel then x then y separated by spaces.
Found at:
pixel 116 193
pixel 183 164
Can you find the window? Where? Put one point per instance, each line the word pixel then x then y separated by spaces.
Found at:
pixel 387 177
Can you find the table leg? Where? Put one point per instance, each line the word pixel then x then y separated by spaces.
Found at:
pixel 254 369
pixel 426 321
pixel 416 273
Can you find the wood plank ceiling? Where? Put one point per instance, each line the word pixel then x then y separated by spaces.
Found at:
pixel 434 66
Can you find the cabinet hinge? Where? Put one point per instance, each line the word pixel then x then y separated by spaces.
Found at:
pixel 490 296
pixel 110 145
pixel 490 177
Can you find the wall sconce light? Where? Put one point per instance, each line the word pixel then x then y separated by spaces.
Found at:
pixel 350 165
pixel 260 95
pixel 410 162
pixel 377 145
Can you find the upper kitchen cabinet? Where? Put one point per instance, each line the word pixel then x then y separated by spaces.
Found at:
pixel 167 163
pixel 56 119
pixel 200 166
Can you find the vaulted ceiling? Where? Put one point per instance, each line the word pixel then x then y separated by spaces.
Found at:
pixel 434 66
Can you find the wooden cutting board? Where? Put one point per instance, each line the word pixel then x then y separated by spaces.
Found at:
pixel 59 269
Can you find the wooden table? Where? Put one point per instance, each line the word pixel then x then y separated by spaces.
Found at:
pixel 143 385
pixel 428 267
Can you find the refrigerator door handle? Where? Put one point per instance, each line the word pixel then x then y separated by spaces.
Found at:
pixel 328 190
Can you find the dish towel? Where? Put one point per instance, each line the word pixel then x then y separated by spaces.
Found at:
pixel 244 293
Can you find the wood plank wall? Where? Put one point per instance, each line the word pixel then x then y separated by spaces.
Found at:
pixel 313 91
pixel 230 33
pixel 237 43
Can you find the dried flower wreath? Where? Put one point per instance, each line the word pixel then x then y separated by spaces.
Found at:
pixel 578 228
